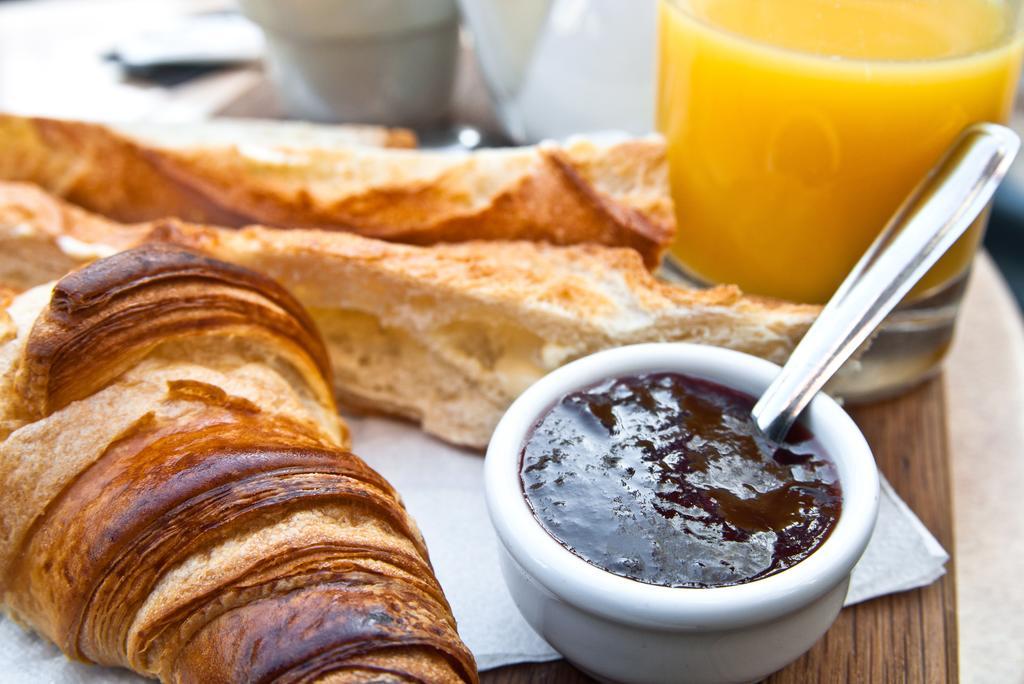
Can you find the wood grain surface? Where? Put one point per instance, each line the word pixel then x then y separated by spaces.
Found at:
pixel 907 637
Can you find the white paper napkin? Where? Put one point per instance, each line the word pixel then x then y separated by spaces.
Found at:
pixel 443 488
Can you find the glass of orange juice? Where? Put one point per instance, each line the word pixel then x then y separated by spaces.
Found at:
pixel 797 127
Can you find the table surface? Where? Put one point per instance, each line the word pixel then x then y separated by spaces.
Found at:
pixel 49 64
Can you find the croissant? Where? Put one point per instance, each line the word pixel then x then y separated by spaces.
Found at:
pixel 178 498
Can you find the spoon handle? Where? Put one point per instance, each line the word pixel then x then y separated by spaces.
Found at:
pixel 937 212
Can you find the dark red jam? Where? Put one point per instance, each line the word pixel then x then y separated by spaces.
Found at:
pixel 664 478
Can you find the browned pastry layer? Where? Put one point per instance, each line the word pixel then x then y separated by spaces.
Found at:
pixel 114 312
pixel 579 192
pixel 184 507
pixel 343 619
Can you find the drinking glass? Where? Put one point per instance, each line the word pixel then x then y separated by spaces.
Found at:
pixel 797 127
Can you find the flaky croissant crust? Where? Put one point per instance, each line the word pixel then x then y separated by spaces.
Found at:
pixel 111 314
pixel 215 538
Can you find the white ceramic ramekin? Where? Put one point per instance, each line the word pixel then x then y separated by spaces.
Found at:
pixel 626 631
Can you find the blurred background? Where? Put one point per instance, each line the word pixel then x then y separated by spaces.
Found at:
pixel 541 68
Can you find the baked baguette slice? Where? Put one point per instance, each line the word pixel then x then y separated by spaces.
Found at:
pixel 116 169
pixel 177 496
pixel 580 192
pixel 447 335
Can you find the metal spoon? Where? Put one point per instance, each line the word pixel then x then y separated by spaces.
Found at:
pixel 935 214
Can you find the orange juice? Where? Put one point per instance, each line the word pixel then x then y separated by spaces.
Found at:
pixel 796 127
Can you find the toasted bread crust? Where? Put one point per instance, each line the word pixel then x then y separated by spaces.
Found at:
pixel 614 195
pixel 446 335
pixel 94 167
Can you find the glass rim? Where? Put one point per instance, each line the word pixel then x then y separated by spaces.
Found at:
pixel 1014 34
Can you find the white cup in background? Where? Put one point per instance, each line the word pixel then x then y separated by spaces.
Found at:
pixel 557 68
pixel 389 62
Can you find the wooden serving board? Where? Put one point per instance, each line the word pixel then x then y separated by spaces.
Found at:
pixel 906 637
